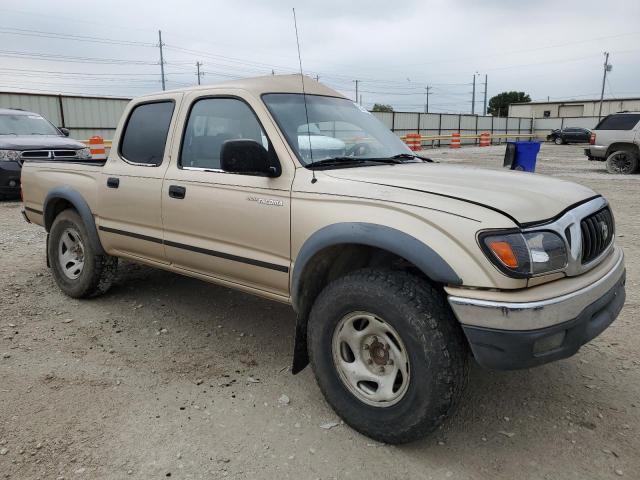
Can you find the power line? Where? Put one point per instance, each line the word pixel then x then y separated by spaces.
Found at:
pixel 68 36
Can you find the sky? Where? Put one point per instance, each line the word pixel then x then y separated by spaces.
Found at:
pixel 395 49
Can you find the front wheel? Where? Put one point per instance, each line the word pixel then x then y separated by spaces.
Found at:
pixel 387 353
pixel 622 162
pixel 78 269
pixel 558 141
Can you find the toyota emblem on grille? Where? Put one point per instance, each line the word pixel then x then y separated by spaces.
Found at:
pixel 605 230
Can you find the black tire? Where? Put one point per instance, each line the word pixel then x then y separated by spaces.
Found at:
pixel 558 141
pixel 435 346
pixel 98 271
pixel 622 162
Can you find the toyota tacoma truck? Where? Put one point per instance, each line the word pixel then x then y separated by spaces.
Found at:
pixel 400 269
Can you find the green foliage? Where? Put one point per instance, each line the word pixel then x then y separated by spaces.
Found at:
pixel 381 107
pixel 499 104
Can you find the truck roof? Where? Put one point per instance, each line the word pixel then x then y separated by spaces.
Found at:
pixel 266 84
pixel 16 111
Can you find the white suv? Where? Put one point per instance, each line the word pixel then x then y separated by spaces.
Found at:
pixel 616 139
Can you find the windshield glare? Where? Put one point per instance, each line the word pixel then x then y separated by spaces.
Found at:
pixel 337 127
pixel 26 125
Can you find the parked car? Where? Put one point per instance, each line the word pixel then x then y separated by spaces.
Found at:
pixel 397 267
pixel 616 140
pixel 569 135
pixel 26 135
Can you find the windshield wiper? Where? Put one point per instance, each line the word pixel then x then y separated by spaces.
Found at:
pixel 411 156
pixel 350 161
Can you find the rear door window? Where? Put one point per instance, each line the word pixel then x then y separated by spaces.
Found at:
pixel 619 122
pixel 145 134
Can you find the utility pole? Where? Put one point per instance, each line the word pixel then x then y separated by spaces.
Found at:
pixel 426 105
pixel 198 65
pixel 607 68
pixel 317 77
pixel 473 96
pixel 484 108
pixel 160 44
pixel 357 81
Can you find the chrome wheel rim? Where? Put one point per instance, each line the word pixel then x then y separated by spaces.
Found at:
pixel 621 163
pixel 371 359
pixel 71 253
pixel 558 141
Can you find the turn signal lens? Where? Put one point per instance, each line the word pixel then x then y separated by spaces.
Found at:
pixel 504 252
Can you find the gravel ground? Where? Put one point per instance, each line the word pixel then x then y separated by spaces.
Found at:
pixel 168 376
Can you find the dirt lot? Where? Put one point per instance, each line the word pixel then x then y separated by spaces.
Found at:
pixel 168 376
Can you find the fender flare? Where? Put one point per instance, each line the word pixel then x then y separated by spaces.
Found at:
pixel 372 235
pixel 369 234
pixel 81 206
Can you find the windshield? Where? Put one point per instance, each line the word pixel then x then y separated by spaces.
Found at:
pixel 26 125
pixel 337 128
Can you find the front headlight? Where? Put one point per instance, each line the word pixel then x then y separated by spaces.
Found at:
pixel 527 254
pixel 9 155
pixel 84 153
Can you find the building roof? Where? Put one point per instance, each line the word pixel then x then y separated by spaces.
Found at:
pixel 627 99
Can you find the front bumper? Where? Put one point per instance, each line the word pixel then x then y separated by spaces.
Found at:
pixel 570 320
pixel 10 178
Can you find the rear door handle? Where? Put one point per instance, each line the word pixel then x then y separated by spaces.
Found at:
pixel 175 191
pixel 113 182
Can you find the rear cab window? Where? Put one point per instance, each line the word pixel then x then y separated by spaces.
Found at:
pixel 145 133
pixel 625 121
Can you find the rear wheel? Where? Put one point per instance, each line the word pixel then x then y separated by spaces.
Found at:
pixel 388 354
pixel 78 269
pixel 622 162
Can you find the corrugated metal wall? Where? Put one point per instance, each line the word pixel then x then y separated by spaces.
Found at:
pixel 83 116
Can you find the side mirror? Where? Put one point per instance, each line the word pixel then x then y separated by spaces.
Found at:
pixel 64 131
pixel 247 157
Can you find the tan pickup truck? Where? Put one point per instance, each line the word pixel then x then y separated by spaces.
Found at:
pixel 399 269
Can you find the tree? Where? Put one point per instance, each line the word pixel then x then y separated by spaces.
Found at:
pixel 499 105
pixel 381 107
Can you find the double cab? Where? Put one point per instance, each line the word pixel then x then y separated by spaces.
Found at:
pixel 400 270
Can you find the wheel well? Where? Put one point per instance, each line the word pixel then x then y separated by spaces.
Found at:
pixel 54 208
pixel 337 261
pixel 614 147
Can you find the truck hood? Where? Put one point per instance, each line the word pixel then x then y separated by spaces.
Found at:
pixel 524 197
pixel 38 142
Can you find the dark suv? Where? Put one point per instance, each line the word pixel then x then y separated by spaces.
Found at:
pixel 25 135
pixel 569 135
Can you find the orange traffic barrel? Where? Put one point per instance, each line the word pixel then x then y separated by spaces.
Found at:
pixel 413 141
pixel 485 139
pixel 455 140
pixel 96 145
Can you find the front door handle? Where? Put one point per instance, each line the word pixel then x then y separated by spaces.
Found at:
pixel 175 191
pixel 113 182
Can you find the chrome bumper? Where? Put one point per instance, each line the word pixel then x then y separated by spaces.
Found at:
pixel 538 314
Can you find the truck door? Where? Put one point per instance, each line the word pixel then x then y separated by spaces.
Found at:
pixel 130 220
pixel 232 227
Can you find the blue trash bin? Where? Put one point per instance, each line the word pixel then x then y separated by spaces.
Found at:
pixel 522 155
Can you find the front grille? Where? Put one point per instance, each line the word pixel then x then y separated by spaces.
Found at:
pixel 35 154
pixel 597 234
pixel 64 153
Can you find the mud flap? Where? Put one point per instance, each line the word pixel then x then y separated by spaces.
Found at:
pixel 300 353
pixel 46 250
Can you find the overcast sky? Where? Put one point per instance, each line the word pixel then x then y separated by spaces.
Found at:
pixel 394 48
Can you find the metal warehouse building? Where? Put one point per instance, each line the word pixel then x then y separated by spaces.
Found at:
pixel 84 116
pixel 573 108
